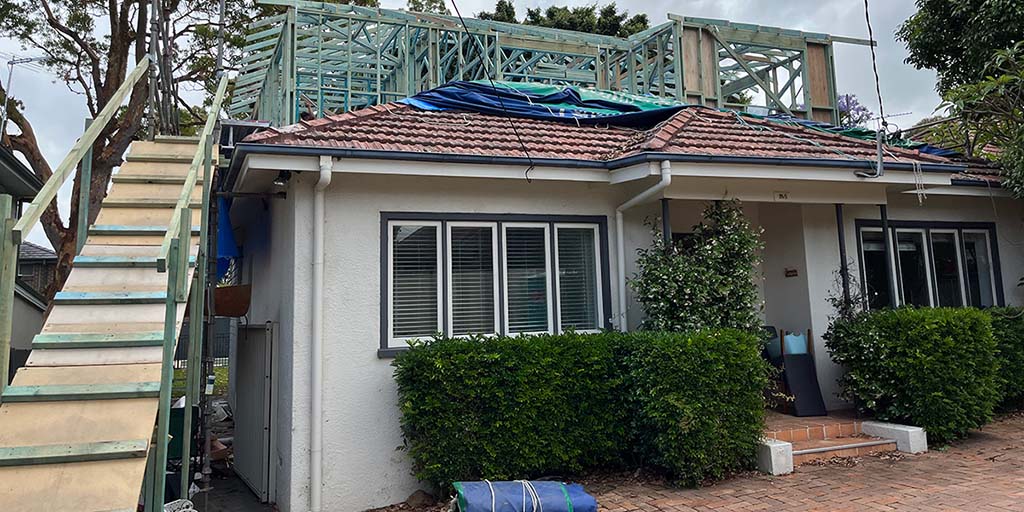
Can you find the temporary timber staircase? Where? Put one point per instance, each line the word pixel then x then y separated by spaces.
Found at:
pixel 84 426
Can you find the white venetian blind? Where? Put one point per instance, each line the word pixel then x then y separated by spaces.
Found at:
pixel 414 267
pixel 527 275
pixel 577 279
pixel 472 279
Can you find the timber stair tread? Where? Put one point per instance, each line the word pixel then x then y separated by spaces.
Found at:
pixel 71 340
pixel 146 203
pixel 156 179
pixel 113 261
pixel 129 230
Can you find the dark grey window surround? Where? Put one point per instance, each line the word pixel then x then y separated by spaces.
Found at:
pixel 384 351
pixel 944 225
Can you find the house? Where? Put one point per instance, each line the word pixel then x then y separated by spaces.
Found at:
pixel 36 266
pixel 21 184
pixel 399 222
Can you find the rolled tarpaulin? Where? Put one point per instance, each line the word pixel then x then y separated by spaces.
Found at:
pixel 522 496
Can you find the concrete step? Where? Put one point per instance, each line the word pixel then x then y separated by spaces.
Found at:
pixel 824 449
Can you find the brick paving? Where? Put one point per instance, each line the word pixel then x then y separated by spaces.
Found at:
pixel 982 473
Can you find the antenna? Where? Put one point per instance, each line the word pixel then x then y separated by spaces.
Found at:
pixel 10 75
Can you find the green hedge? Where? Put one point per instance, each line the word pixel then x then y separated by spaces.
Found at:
pixel 1008 330
pixel 934 368
pixel 523 407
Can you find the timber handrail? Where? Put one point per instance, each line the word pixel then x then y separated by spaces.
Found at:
pixel 184 200
pixel 32 213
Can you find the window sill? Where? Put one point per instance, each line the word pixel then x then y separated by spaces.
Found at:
pixel 390 353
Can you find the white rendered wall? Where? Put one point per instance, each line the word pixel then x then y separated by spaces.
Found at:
pixel 364 466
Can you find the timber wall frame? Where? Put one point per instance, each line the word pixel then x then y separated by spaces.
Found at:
pixel 325 59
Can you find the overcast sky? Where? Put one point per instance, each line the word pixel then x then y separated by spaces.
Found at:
pixel 57 114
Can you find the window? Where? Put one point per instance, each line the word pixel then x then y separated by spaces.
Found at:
pixel 472 283
pixel 980 277
pixel 945 264
pixel 414 252
pixel 578 284
pixel 479 274
pixel 876 281
pixel 914 279
pixel 948 268
pixel 527 282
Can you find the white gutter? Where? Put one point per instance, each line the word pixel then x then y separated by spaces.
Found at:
pixel 316 376
pixel 620 242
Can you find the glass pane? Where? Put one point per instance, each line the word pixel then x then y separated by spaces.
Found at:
pixel 875 281
pixel 979 269
pixel 526 265
pixel 577 279
pixel 913 268
pixel 472 280
pixel 414 281
pixel 947 269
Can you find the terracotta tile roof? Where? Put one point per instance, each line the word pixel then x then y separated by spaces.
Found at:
pixel 692 131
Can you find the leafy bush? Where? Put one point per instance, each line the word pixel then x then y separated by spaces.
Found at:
pixel 934 368
pixel 1008 330
pixel 698 402
pixel 522 407
pixel 706 282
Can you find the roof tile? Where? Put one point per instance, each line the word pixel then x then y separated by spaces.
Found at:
pixel 695 131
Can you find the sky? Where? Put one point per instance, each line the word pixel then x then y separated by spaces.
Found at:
pixel 57 114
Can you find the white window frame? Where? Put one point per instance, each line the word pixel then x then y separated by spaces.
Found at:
pixel 394 342
pixel 991 262
pixel 959 264
pixel 925 242
pixel 548 271
pixel 448 274
pixel 597 265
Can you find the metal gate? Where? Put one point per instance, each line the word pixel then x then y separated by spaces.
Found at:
pixel 253 408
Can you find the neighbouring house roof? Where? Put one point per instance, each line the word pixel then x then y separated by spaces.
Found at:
pixel 29 295
pixel 698 131
pixel 31 251
pixel 17 179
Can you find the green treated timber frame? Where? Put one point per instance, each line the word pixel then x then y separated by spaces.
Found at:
pixel 108 298
pixel 65 453
pixel 336 58
pixel 120 261
pixel 98 340
pixel 201 156
pixel 74 392
pixel 32 213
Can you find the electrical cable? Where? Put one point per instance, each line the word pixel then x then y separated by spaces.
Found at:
pixel 874 65
pixel 483 59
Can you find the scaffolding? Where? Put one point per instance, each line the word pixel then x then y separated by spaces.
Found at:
pixel 318 59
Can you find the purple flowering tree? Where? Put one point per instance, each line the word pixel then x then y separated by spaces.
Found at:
pixel 852 112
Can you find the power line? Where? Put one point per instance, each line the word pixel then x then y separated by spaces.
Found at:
pixel 483 59
pixel 874 65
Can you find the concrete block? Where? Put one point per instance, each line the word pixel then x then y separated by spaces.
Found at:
pixel 775 457
pixel 908 439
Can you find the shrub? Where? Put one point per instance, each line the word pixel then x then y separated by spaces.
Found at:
pixel 1008 330
pixel 705 282
pixel 698 402
pixel 934 368
pixel 523 407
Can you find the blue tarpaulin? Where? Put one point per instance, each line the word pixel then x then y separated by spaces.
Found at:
pixel 227 249
pixel 523 496
pixel 591 106
pixel 547 102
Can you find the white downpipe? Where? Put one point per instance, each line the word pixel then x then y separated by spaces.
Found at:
pixel 316 375
pixel 620 240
